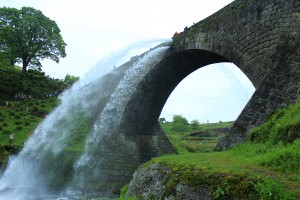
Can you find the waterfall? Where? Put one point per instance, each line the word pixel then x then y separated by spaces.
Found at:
pixel 85 114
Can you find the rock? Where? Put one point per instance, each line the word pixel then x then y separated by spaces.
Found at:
pixel 156 182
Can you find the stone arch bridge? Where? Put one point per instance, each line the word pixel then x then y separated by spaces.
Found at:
pixel 260 37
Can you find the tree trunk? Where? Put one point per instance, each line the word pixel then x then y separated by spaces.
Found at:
pixel 25 65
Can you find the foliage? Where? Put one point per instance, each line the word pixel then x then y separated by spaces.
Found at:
pixel 33 84
pixel 270 163
pixel 28 36
pixel 70 79
pixel 179 123
pixel 178 119
pixel 236 172
pixel 203 138
pixel 26 110
pixel 162 120
pixel 282 126
pixel 195 124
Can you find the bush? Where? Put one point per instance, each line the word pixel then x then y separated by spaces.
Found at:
pixel 285 158
pixel 269 190
pixel 35 109
pixel 18 128
pixel 6 132
pixel 11 113
pixel 179 127
pixel 17 116
pixel 283 126
pixel 18 122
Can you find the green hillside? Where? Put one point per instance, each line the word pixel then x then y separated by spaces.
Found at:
pixel 25 100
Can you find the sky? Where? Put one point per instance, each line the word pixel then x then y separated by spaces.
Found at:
pixel 93 29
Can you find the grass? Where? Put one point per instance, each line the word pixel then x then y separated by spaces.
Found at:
pixel 205 136
pixel 248 161
pixel 268 164
pixel 22 117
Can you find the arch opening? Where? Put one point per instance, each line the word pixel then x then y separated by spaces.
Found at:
pixel 146 104
pixel 217 92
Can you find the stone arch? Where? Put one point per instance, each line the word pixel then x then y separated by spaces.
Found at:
pixel 146 104
pixel 260 37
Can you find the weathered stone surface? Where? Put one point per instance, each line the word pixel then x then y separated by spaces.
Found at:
pixel 149 183
pixel 262 39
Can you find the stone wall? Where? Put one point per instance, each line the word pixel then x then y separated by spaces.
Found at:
pixel 262 39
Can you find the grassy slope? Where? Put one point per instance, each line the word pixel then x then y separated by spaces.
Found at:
pixel 270 159
pixel 16 119
pixel 22 117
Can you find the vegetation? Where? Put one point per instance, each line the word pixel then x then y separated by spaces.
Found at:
pixel 28 36
pixel 25 101
pixel 194 137
pixel 16 85
pixel 267 166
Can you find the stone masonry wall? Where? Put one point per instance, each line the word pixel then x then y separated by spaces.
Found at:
pixel 262 39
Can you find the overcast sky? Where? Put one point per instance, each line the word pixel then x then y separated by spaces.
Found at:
pixel 93 29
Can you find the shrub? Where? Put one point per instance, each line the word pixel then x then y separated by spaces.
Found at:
pixel 35 109
pixel 6 132
pixel 269 190
pixel 179 127
pixel 17 116
pixel 11 113
pixel 18 122
pixel 282 126
pixel 285 158
pixel 18 128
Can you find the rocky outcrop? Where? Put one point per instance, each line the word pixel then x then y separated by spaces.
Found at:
pixel 158 182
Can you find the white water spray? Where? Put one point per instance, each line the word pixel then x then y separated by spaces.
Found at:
pixel 25 177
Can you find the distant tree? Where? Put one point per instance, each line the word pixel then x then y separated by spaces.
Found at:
pixel 195 123
pixel 69 79
pixel 178 119
pixel 162 120
pixel 28 36
pixel 179 123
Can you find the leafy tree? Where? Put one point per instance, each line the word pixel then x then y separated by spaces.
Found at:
pixel 70 79
pixel 195 123
pixel 178 119
pixel 162 120
pixel 179 123
pixel 28 36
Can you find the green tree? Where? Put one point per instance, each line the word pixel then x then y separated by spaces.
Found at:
pixel 28 36
pixel 195 124
pixel 178 119
pixel 70 79
pixel 162 120
pixel 179 123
